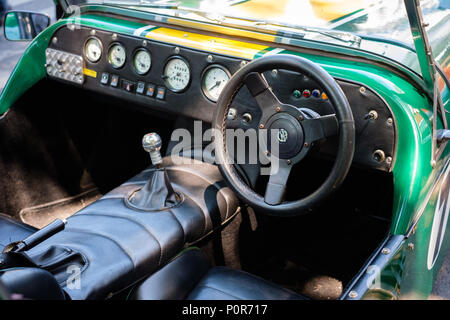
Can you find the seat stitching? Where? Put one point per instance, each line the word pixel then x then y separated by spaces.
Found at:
pixel 212 288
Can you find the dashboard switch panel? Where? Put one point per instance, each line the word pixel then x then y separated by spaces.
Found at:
pixel 64 65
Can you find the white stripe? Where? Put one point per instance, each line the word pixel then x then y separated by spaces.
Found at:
pixel 274 51
pixel 139 31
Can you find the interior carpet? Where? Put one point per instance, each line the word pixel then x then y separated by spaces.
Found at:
pixel 41 215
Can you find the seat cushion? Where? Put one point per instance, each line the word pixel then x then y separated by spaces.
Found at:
pixel 12 230
pixel 191 277
pixel 222 283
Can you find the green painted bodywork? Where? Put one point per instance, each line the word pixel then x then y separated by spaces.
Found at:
pixel 412 171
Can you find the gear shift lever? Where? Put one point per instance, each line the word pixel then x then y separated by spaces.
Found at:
pixel 157 194
pixel 151 143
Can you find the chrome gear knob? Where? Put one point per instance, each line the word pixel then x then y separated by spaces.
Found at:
pixel 151 143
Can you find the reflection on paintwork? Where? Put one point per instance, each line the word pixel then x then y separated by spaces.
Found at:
pixel 380 20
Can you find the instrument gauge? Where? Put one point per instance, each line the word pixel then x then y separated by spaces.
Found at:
pixel 117 55
pixel 215 77
pixel 93 49
pixel 177 74
pixel 142 61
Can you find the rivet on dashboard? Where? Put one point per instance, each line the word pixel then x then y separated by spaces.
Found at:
pixel 176 50
pixel 114 36
pixel 274 72
pixel 389 121
pixel 288 162
pixel 144 43
pixel 362 90
pixel 353 294
pixel 300 118
pixel 232 114
pixel 92 32
pixel 261 126
pixel 385 251
pixel 55 40
pixel 389 160
pixel 277 109
pixel 210 58
pixel 306 144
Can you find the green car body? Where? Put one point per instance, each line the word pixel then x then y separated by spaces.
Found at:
pixel 406 264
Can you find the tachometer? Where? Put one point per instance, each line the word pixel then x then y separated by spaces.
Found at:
pixel 215 77
pixel 142 61
pixel 93 49
pixel 177 74
pixel 117 55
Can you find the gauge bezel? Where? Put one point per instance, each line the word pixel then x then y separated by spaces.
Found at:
pixel 136 51
pixel 204 89
pixel 101 48
pixel 190 73
pixel 108 55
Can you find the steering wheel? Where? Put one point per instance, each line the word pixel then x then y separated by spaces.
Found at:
pixel 294 129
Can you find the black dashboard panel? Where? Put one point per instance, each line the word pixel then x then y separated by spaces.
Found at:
pixel 373 133
pixel 190 102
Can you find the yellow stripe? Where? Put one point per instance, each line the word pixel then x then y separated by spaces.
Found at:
pixel 208 43
pixel 90 73
pixel 224 30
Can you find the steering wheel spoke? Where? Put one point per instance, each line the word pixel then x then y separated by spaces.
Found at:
pixel 276 187
pixel 321 127
pixel 261 91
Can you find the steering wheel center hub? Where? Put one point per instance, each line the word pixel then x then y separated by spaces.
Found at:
pixel 284 130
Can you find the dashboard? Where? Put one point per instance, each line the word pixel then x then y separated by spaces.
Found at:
pixel 187 82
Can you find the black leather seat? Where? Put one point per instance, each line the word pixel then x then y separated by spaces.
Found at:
pixel 114 245
pixel 17 280
pixel 12 230
pixel 30 283
pixel 190 276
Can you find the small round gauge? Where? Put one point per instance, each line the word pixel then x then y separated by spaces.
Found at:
pixel 142 61
pixel 93 49
pixel 177 74
pixel 117 55
pixel 215 77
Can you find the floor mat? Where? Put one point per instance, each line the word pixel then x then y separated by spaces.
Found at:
pixel 43 214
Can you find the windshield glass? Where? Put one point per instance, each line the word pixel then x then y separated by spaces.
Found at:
pixel 376 26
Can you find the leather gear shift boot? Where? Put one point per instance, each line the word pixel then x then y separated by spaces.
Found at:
pixel 156 195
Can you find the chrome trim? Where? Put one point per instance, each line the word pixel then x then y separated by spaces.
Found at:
pixel 388 249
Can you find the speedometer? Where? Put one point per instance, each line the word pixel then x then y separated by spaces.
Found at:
pixel 142 61
pixel 177 74
pixel 117 55
pixel 215 77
